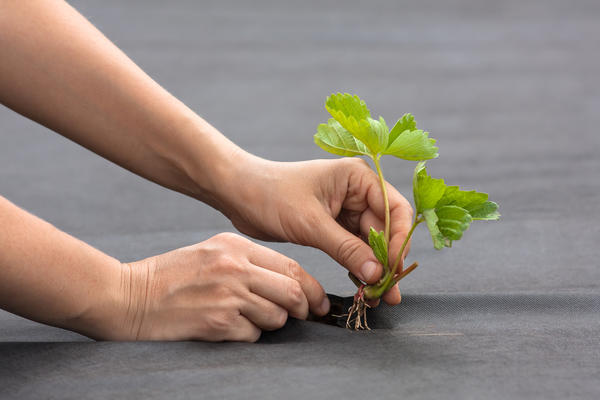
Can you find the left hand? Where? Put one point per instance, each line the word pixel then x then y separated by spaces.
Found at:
pixel 327 204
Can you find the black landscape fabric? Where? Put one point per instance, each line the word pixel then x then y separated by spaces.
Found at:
pixel 510 89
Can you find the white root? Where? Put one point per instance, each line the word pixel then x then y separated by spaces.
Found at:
pixel 357 315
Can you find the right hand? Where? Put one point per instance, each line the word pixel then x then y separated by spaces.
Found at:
pixel 225 288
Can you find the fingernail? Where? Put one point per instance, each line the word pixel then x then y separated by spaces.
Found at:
pixel 368 270
pixel 324 307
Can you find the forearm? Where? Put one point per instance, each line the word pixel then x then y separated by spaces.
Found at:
pixel 60 71
pixel 48 276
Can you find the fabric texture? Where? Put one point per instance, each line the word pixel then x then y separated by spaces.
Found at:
pixel 510 90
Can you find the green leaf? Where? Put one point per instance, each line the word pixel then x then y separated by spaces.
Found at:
pixel 379 246
pixel 427 191
pixel 474 202
pixel 352 114
pixel 385 127
pixel 462 198
pixel 452 222
pixel 406 123
pixel 446 224
pixel 488 211
pixel 374 133
pixel 412 145
pixel 431 219
pixel 348 110
pixel 447 210
pixel 332 137
pixel 346 106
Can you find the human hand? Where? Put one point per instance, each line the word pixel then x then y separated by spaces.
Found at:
pixel 225 288
pixel 327 204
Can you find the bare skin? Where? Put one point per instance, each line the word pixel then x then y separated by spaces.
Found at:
pixel 58 70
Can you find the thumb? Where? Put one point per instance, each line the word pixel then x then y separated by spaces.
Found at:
pixel 347 249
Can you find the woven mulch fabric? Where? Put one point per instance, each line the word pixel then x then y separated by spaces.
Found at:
pixel 511 91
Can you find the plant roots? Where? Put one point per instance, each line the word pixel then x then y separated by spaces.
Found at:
pixel 357 314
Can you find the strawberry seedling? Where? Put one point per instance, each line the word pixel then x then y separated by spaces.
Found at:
pixel 446 210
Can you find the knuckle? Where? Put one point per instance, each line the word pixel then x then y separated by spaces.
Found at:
pixel 305 222
pixel 224 292
pixel 347 250
pixel 228 237
pixel 295 294
pixel 362 163
pixel 357 162
pixel 222 322
pixel 294 270
pixel 229 265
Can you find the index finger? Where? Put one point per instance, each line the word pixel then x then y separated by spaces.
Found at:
pixel 277 262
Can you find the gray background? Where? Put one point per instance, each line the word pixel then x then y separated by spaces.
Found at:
pixel 511 91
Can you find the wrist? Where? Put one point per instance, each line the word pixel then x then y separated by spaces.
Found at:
pixel 224 175
pixel 103 317
pixel 208 162
pixel 119 312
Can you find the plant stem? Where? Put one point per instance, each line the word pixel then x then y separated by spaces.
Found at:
pixel 405 272
pixel 375 291
pixel 408 236
pixel 385 199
